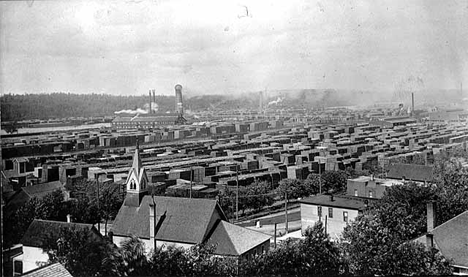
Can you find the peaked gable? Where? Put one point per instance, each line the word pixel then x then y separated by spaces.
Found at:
pixel 188 220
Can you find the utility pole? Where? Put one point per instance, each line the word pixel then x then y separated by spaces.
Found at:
pixel 191 180
pixel 99 208
pixel 154 221
pixel 275 235
pixel 237 194
pixel 286 211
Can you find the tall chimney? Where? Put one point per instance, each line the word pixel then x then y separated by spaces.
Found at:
pixel 178 100
pixel 260 103
pixel 412 103
pixel 150 100
pixel 431 216
pixel 154 98
pixel 152 223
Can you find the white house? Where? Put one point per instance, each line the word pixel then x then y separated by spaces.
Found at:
pixel 334 212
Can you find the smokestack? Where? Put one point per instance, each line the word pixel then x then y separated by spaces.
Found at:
pixel 150 110
pixel 178 100
pixel 260 104
pixel 154 98
pixel 412 103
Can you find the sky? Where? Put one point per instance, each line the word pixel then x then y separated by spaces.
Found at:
pixel 227 47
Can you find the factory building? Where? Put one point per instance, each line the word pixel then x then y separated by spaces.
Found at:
pixel 152 119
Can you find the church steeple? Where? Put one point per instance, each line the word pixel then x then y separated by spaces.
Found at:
pixel 137 180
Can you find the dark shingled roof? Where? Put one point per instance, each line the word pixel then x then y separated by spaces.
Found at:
pixel 187 219
pixel 51 270
pixel 233 240
pixel 451 238
pixel 412 172
pixel 353 203
pixel 39 230
pixel 42 190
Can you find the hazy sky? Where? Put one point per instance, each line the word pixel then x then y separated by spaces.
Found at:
pixel 128 47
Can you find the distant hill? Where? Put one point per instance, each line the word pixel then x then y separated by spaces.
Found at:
pixel 62 105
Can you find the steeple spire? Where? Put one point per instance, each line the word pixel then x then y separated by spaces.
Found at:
pixel 137 180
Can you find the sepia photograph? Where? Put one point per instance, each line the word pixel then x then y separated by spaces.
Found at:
pixel 234 138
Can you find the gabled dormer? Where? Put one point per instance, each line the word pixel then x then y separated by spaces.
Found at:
pixel 137 181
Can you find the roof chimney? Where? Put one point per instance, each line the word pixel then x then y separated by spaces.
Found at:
pixel 431 216
pixel 331 198
pixel 69 218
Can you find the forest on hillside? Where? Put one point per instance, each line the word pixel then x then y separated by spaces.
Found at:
pixel 63 105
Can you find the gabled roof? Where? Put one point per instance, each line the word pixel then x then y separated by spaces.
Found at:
pixel 413 172
pixel 187 219
pixel 233 240
pixel 451 239
pixel 42 190
pixel 51 270
pixel 39 230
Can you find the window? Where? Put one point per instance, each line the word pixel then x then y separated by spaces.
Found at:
pixel 18 265
pixel 319 210
pixel 355 192
pixel 345 216
pixel 132 185
pixel 330 212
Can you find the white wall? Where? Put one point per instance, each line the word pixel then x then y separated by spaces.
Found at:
pixel 335 225
pixel 33 258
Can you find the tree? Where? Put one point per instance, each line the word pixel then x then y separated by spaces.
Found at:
pixel 292 188
pixel 316 255
pixel 11 127
pixel 334 181
pixel 258 195
pixel 378 239
pixel 16 224
pixel 79 251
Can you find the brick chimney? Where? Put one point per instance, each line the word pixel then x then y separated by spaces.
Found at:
pixel 69 218
pixel 431 219
pixel 152 223
pixel 431 216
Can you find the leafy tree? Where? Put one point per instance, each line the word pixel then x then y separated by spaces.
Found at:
pixel 317 255
pixel 11 127
pixel 376 241
pixel 292 188
pixel 331 181
pixel 258 195
pixel 80 252
pixel 16 224
pixel 52 207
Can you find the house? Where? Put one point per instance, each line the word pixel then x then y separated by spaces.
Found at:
pixel 37 233
pixel 336 212
pixel 180 222
pixel 20 198
pixel 450 238
pixel 410 172
pixel 51 270
pixel 369 187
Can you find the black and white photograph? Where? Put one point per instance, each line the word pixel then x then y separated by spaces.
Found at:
pixel 234 138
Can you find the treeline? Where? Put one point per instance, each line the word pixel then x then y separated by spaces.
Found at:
pixel 63 105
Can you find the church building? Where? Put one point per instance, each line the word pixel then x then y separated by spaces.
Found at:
pixel 181 222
